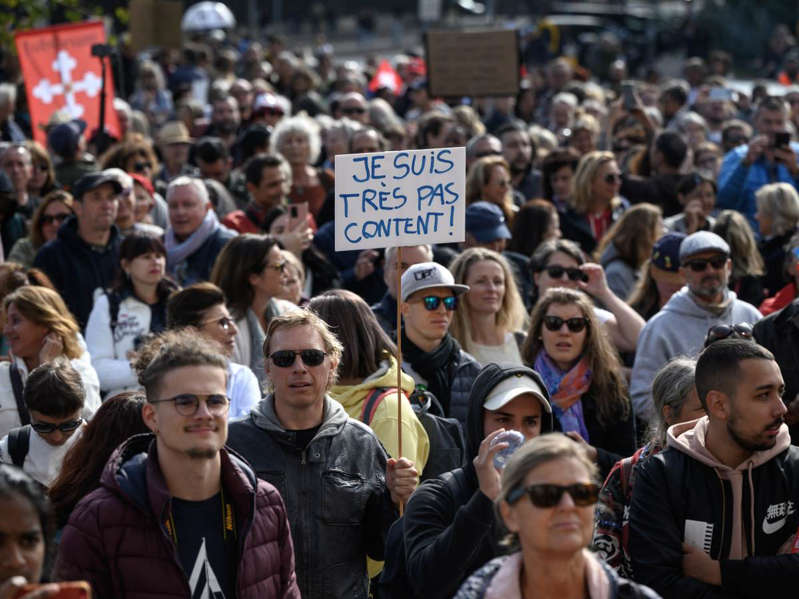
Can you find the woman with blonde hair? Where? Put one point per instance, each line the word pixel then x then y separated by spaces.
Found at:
pixel 546 502
pixel 490 319
pixel 594 204
pixel 38 328
pixel 627 245
pixel 567 347
pixel 777 216
pixel 747 264
pixel 489 180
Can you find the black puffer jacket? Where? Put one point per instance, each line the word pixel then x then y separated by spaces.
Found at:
pixel 448 536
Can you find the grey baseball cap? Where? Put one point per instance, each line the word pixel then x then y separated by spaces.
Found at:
pixel 426 275
pixel 702 241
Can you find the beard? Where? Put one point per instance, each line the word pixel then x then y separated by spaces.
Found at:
pixel 750 444
pixel 710 286
pixel 201 453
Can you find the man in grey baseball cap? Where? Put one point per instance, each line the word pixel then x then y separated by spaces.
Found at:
pixel 430 354
pixel 682 324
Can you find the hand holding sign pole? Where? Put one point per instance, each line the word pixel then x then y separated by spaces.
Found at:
pixel 400 199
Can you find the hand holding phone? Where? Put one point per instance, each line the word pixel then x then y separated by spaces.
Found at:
pixel 57 590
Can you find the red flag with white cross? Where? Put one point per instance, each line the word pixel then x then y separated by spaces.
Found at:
pixel 62 75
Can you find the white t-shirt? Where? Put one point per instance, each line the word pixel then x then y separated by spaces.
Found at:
pixel 43 461
pixel 507 353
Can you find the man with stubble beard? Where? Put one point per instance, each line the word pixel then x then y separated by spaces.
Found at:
pixel 681 325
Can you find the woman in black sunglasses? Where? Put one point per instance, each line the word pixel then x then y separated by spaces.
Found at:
pixel 546 502
pixel 56 207
pixel 581 369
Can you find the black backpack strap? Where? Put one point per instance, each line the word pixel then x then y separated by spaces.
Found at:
pixel 371 403
pixel 19 440
pixel 114 300
pixel 18 387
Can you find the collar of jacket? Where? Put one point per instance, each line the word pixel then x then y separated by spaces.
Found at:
pixel 133 472
pixel 333 419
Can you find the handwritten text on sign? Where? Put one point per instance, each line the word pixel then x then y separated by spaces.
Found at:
pixel 400 198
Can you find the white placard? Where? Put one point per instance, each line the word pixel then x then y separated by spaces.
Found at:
pixel 410 197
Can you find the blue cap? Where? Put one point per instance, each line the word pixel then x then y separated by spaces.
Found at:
pixel 666 252
pixel 486 222
pixel 63 139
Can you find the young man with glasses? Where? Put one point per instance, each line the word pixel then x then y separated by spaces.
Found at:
pixel 176 513
pixel 54 396
pixel 339 487
pixel 680 327
pixel 714 514
pixel 430 354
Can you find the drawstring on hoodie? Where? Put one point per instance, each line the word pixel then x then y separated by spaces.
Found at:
pixel 751 506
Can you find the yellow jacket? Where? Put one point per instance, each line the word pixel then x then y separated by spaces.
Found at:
pixel 415 444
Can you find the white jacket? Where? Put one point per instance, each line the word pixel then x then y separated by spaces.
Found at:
pixel 109 352
pixel 9 416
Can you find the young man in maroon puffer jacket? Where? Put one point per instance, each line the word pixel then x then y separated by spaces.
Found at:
pixel 177 515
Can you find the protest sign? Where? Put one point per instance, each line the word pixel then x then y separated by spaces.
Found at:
pixel 61 74
pixel 473 63
pixel 155 23
pixel 400 198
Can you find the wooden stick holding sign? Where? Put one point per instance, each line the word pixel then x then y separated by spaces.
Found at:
pixel 403 198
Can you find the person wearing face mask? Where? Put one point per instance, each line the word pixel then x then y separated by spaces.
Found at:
pixel 449 528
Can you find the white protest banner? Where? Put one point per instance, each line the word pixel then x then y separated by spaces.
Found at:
pixel 400 198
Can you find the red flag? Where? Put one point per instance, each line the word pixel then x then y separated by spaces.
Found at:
pixel 386 76
pixel 61 74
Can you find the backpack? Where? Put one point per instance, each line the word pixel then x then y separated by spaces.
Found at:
pixel 394 582
pixel 19 440
pixel 447 443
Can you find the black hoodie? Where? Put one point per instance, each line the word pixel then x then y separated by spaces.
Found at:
pixel 450 526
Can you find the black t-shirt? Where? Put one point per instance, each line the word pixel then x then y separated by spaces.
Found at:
pixel 303 437
pixel 206 550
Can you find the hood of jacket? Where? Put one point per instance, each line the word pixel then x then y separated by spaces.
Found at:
pixel 690 438
pixel 489 377
pixel 385 376
pixel 684 304
pixel 333 418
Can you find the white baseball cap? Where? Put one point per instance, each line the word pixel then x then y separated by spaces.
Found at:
pixel 511 388
pixel 426 275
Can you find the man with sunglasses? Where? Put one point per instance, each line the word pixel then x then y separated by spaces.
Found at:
pixel 680 327
pixel 54 397
pixel 715 513
pixel 339 487
pixel 176 513
pixel 430 354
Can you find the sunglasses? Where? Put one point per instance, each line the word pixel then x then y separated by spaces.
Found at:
pixel 575 325
pixel 742 330
pixel 187 404
pixel 544 495
pixel 285 357
pixel 612 177
pixel 432 302
pixel 273 111
pixel 140 167
pixel 353 110
pixel 45 428
pixel 280 267
pixel 49 219
pixel 574 274
pixel 717 262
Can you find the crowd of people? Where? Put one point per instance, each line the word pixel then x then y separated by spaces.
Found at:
pixel 595 394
